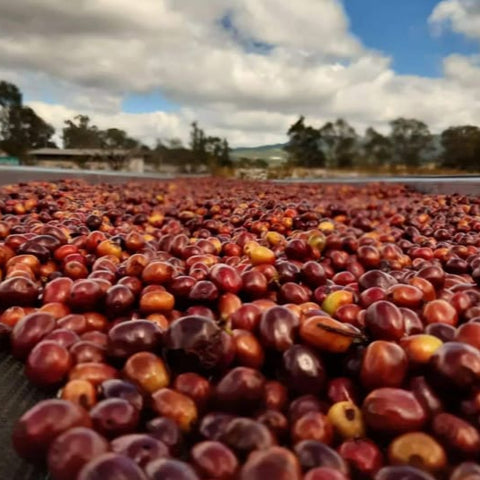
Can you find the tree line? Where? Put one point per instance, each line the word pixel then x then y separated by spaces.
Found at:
pixel 333 145
pixel 22 130
pixel 409 143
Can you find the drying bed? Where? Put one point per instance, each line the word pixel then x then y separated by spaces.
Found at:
pixel 209 328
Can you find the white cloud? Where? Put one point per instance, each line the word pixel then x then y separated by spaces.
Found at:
pixel 462 16
pixel 148 126
pixel 309 27
pixel 241 128
pixel 247 82
pixel 463 69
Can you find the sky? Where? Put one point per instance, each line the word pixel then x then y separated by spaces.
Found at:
pixel 243 69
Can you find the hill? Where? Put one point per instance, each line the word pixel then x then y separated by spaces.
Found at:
pixel 272 154
pixel 275 155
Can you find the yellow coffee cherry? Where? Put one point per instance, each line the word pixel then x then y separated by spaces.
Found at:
pixel 347 420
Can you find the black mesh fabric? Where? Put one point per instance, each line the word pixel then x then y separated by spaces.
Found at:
pixel 17 395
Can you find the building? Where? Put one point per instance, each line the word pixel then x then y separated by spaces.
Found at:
pixel 89 158
pixel 6 159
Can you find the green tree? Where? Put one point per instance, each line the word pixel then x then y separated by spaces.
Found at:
pixel 198 144
pixel 303 146
pixel 377 148
pixel 411 140
pixel 118 147
pixel 209 151
pixel 461 147
pixel 114 144
pixel 327 139
pixel 346 144
pixel 21 129
pixel 195 137
pixel 218 152
pixel 260 163
pixel 175 154
pixel 79 133
pixel 213 146
pixel 175 143
pixel 224 159
pixel 156 156
pixel 114 138
pixel 10 95
pixel 24 131
pixel 339 140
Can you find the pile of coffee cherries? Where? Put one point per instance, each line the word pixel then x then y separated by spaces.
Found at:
pixel 212 329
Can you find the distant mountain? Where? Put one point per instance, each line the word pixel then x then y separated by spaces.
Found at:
pixel 274 154
pixel 262 147
pixel 270 153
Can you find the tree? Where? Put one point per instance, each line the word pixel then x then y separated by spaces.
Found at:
pixel 114 144
pixel 303 146
pixel 10 95
pixel 156 155
pixel 21 129
pixel 79 133
pixel 346 143
pixel 114 138
pixel 213 146
pixel 25 131
pixel 377 148
pixel 410 139
pixel 327 138
pixel 195 135
pixel 461 147
pixel 224 159
pixel 175 143
pixel 118 147
pixel 339 140
pixel 218 152
pixel 260 163
pixel 210 151
pixel 198 144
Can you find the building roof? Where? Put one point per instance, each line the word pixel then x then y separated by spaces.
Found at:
pixel 79 152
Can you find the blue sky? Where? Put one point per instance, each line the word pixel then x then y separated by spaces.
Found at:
pixel 147 102
pixel 399 29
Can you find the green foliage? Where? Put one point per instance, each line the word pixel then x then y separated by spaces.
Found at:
pixel 212 152
pixel 224 159
pixel 377 148
pixel 114 142
pixel 245 162
pixel 343 140
pixel 114 138
pixel 10 95
pixel 410 140
pixel 198 144
pixel 79 133
pixel 333 145
pixel 461 147
pixel 118 147
pixel 21 129
pixel 181 157
pixel 337 145
pixel 175 143
pixel 303 146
